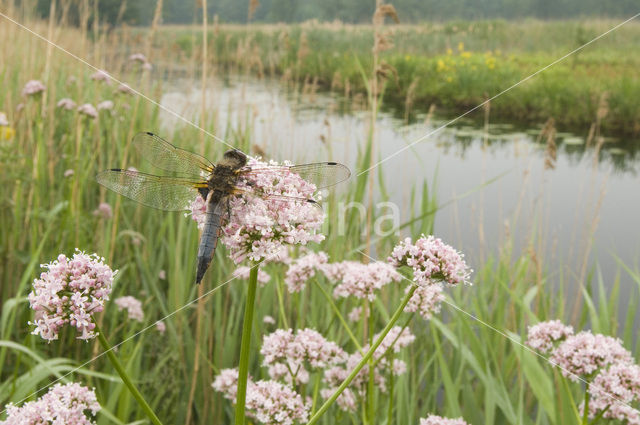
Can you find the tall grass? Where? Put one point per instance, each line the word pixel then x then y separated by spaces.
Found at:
pixel 457 366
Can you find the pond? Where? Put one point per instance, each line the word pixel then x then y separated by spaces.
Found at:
pixel 579 216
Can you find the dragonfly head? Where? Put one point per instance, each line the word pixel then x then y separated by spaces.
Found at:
pixel 235 159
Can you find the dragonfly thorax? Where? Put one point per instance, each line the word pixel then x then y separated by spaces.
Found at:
pixel 223 179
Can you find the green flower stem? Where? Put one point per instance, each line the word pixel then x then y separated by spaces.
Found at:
pixel 585 414
pixel 370 385
pixel 243 372
pixel 364 359
pixel 345 325
pixel 125 378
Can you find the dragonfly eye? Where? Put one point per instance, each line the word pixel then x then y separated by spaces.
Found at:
pixel 235 158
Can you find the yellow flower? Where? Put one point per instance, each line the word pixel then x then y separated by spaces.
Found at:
pixel 441 66
pixel 490 62
pixel 461 47
pixel 407 57
pixel 449 79
pixel 449 52
pixel 465 55
pixel 6 133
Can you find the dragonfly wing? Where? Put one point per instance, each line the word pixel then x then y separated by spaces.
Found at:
pixel 321 174
pixel 167 157
pixel 245 191
pixel 163 193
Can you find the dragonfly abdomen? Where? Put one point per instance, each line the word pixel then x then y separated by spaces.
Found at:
pixel 209 238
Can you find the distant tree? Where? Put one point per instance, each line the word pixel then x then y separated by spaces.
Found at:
pixel 140 12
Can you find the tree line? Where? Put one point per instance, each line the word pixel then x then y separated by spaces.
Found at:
pixel 140 12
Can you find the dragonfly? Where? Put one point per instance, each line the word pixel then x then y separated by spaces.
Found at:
pixel 194 175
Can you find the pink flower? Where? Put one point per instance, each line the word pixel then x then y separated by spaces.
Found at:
pixel 393 342
pixel 101 76
pixel 273 403
pixel 147 66
pixel 69 292
pixel 356 314
pixel 396 339
pixel 162 275
pixel 63 404
pixel 227 382
pixel 268 402
pixel 67 104
pixel 303 269
pixel 426 300
pixel 106 105
pixel 431 261
pixel 88 110
pixel 584 353
pixel 123 88
pixel 138 57
pixel 198 212
pixel 614 389
pixel 268 320
pixel 439 420
pixel 346 401
pixel 4 122
pixel 360 280
pixel 287 354
pixel 133 307
pixel 243 272
pixel 104 210
pixel 161 327
pixel 261 228
pixel 542 335
pixel 32 88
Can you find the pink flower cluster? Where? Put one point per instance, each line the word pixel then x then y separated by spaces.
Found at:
pixel 585 353
pixel 426 300
pixel 89 110
pixel 101 76
pixel 612 392
pixel 32 88
pixel 303 269
pixel 396 339
pixel 67 104
pixel 542 335
pixel 268 402
pixel 69 292
pixel 439 420
pixel 286 354
pixel 615 379
pixel 63 404
pixel 243 272
pixel 133 307
pixel 360 280
pixel 431 260
pixel 104 211
pixel 261 227
pixel 105 105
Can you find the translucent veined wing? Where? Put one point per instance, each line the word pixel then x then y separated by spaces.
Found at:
pixel 248 191
pixel 167 157
pixel 321 174
pixel 163 193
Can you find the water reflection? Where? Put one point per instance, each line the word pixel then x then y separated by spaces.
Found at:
pixel 574 216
